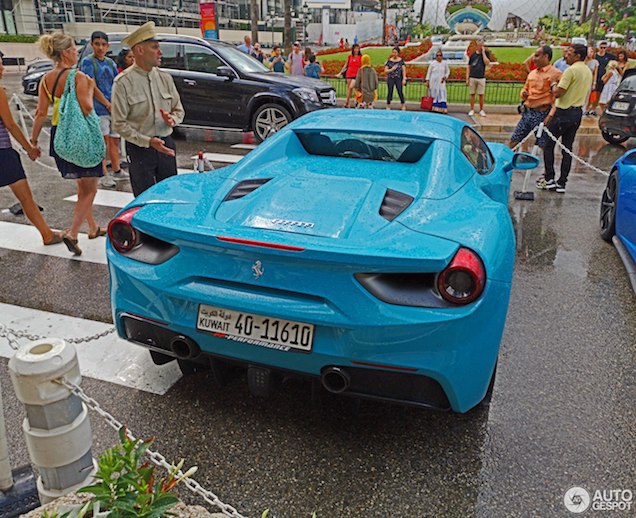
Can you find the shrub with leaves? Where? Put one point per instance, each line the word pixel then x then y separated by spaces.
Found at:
pixel 128 487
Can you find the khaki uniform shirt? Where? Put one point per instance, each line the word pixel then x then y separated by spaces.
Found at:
pixel 137 98
pixel 539 86
pixel 576 81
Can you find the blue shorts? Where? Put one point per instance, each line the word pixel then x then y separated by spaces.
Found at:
pixel 529 120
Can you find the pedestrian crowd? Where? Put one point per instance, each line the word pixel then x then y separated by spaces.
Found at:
pixel 94 103
pixel 99 100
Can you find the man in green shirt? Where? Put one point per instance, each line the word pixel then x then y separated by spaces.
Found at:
pixel 565 117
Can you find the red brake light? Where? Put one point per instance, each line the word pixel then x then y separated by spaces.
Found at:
pixel 121 233
pixel 251 242
pixel 464 278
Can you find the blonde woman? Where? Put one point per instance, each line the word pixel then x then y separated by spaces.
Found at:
pixel 61 49
pixel 12 173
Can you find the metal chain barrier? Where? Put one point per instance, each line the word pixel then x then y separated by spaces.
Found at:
pixel 531 134
pixel 12 336
pixel 578 159
pixel 155 456
pixel 22 109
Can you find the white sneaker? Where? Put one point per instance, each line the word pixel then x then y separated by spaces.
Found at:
pixel 107 182
pixel 482 113
pixel 120 175
pixel 471 113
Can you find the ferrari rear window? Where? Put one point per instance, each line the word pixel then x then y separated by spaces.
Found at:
pixel 366 146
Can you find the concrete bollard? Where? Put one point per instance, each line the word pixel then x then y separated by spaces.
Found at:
pixel 57 428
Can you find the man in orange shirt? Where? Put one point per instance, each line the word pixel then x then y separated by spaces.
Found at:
pixel 537 96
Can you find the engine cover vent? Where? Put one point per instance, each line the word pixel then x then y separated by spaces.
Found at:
pixel 244 188
pixel 394 203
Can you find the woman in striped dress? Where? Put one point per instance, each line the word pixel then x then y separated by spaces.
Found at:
pixel 12 172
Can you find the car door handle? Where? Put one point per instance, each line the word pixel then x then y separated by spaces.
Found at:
pixel 190 82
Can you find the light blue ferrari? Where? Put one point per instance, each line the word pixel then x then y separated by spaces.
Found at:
pixel 369 251
pixel 618 207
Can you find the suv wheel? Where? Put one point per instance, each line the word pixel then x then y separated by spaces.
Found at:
pixel 613 138
pixel 269 119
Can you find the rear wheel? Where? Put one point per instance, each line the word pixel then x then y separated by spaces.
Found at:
pixel 613 138
pixel 607 218
pixel 269 119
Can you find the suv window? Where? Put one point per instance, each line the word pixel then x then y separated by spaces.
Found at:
pixel 171 56
pixel 200 59
pixel 476 151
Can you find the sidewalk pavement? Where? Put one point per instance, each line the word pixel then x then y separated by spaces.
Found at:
pixel 506 123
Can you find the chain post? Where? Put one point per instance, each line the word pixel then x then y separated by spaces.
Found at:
pixel 156 457
pixel 56 428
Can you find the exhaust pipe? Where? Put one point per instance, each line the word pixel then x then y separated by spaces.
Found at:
pixel 335 380
pixel 184 348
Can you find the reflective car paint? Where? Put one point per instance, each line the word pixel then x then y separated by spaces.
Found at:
pixel 626 204
pixel 313 280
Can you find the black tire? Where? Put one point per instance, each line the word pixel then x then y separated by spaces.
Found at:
pixel 189 368
pixel 612 138
pixel 268 119
pixel 607 219
pixel 491 387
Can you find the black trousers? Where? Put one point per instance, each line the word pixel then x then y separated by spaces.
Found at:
pixel 148 166
pixel 391 82
pixel 565 124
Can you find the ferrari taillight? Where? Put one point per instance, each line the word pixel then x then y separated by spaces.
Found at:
pixel 464 278
pixel 121 233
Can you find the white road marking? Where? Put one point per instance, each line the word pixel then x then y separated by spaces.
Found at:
pixel 26 238
pixel 220 157
pixel 107 198
pixel 244 146
pixel 107 359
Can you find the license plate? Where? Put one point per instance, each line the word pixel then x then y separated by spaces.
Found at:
pixel 618 105
pixel 273 333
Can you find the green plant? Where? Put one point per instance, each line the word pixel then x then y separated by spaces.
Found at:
pixel 18 38
pixel 128 487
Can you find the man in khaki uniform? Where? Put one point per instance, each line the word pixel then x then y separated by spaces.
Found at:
pixel 145 108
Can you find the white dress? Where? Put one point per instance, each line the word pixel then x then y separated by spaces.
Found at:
pixel 610 87
pixel 436 72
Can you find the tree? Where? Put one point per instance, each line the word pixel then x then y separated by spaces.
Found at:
pixel 593 23
pixel 287 34
pixel 254 16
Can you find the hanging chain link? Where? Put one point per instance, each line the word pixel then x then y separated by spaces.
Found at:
pixel 12 336
pixel 578 159
pixel 531 134
pixel 155 456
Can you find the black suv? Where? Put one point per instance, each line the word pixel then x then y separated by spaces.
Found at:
pixel 618 121
pixel 224 88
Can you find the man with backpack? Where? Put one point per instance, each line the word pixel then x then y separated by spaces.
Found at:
pixel 104 70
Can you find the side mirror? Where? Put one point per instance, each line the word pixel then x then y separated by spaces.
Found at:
pixel 522 162
pixel 226 72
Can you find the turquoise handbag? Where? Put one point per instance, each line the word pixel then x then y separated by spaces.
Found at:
pixel 78 138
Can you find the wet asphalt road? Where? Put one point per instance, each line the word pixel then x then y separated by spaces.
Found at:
pixel 562 413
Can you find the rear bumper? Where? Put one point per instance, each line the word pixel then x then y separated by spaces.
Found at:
pixel 410 353
pixel 385 385
pixel 625 126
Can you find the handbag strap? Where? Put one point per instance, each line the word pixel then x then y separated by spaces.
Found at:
pixel 56 81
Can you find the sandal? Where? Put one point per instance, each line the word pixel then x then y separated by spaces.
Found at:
pixel 98 233
pixel 71 244
pixel 58 237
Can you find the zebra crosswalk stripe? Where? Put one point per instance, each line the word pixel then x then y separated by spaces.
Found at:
pixel 107 359
pixel 26 238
